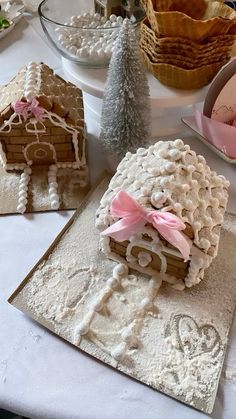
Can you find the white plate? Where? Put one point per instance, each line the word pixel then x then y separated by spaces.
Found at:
pixel 13 20
pixel 190 122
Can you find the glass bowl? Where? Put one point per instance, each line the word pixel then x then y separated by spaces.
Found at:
pixel 84 31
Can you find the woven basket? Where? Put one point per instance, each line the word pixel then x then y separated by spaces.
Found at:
pixel 181 78
pixel 193 8
pixel 218 19
pixel 183 52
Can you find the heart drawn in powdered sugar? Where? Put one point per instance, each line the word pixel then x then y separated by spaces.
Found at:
pixel 195 340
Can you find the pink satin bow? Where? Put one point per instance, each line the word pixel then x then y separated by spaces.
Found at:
pixel 134 217
pixel 27 108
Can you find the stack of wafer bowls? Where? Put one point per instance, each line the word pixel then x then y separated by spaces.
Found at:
pixel 186 42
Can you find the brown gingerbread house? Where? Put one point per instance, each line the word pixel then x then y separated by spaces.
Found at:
pixel 168 176
pixel 41 123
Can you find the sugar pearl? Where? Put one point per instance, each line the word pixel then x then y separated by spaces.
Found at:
pixel 119 20
pixel 113 18
pixel 21 208
pixel 158 198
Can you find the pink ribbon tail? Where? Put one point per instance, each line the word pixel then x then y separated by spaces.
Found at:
pixel 177 239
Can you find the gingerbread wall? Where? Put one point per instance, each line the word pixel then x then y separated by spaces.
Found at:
pixel 14 141
pixel 175 265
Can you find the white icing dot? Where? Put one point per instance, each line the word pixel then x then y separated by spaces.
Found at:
pixel 118 352
pixel 219 218
pixel 179 287
pixel 214 239
pixel 97 305
pixel 163 152
pixel 174 154
pixel 28 170
pixel 189 205
pixel 186 147
pixel 190 168
pixel 158 199
pixel 82 329
pixel 144 259
pixel 120 270
pixel 146 303
pixel 112 283
pixel 204 243
pixel 165 182
pixel 178 207
pixel 155 171
pixel 170 167
pixel 145 191
pixel 201 159
pixel 185 187
pixel 178 143
pixel 194 183
pixel 154 283
pixel 197 225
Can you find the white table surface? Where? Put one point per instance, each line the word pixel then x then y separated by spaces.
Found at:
pixel 41 376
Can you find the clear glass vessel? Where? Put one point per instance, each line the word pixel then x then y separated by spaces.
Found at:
pixel 85 31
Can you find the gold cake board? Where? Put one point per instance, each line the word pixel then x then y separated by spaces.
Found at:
pixel 206 310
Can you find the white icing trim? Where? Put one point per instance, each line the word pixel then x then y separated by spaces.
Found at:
pixel 25 150
pixel 98 304
pixel 16 119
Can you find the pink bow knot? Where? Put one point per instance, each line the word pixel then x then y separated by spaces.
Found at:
pixel 29 108
pixel 133 218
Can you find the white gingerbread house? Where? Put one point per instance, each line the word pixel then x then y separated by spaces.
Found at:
pixel 168 176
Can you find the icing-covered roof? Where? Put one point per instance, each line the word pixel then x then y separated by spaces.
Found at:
pixel 171 177
pixel 53 93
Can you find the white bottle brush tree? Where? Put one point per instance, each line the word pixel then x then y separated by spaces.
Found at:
pixel 125 120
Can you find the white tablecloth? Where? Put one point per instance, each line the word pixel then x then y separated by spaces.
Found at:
pixel 41 376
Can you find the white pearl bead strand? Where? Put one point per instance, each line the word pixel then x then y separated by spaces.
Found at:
pixel 23 190
pixel 52 182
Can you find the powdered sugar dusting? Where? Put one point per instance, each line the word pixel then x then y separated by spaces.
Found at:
pixel 171 340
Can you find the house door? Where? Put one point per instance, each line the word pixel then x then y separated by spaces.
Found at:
pixel 40 153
